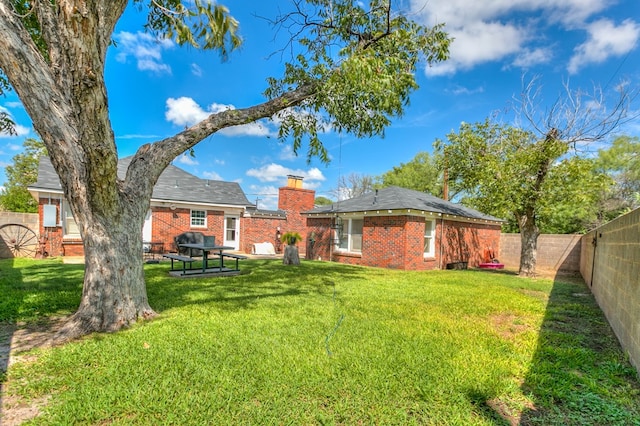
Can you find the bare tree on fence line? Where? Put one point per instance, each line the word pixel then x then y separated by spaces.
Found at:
pixel 514 170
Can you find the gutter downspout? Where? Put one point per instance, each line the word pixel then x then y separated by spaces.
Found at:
pixel 441 245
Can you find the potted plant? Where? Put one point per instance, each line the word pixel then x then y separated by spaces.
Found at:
pixel 291 256
pixel 291 238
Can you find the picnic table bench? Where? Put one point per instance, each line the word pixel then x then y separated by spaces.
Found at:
pixel 237 257
pixel 180 258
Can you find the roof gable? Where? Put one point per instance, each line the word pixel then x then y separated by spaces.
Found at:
pixel 394 198
pixel 173 185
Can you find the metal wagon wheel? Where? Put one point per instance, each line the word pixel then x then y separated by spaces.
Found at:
pixel 17 241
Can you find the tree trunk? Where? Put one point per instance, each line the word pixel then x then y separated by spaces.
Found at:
pixel 291 256
pixel 64 93
pixel 114 293
pixel 529 233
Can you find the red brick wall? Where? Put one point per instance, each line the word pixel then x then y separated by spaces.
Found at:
pixel 293 201
pixel 260 230
pixel 384 241
pixel 323 236
pixel 168 223
pixel 397 242
pixel 469 242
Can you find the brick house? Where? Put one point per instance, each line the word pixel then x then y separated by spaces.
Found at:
pixel 180 202
pixel 392 228
pixel 402 229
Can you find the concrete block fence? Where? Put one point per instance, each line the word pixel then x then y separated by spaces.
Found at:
pixel 29 220
pixel 610 265
pixel 556 253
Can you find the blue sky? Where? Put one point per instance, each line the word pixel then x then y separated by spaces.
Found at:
pixel 157 88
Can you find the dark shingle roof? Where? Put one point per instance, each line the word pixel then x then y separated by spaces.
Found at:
pixel 394 198
pixel 174 184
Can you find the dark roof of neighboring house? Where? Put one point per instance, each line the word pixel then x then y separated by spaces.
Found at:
pixel 174 184
pixel 395 198
pixel 266 213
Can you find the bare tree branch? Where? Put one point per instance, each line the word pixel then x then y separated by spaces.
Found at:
pixel 580 117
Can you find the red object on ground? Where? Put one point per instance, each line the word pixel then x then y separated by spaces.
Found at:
pixel 491 265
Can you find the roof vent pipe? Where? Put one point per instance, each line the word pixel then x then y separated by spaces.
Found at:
pixel 375 197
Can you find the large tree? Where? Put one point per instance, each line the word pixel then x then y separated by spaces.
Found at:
pixel 622 161
pixel 516 169
pixel 355 71
pixel 425 172
pixel 353 185
pixel 20 174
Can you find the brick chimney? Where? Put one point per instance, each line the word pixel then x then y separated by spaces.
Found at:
pixel 293 198
pixel 294 181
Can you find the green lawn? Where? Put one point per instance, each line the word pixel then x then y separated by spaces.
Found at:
pixel 323 343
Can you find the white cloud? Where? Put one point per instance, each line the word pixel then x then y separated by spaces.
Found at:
pixel 19 130
pixel 461 90
pixel 185 112
pixel 266 197
pixel 212 176
pixel 278 173
pixel 530 57
pixel 605 40
pixel 146 49
pixel 287 153
pixel 501 30
pixel 187 160
pixel 196 70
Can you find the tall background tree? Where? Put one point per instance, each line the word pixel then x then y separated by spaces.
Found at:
pixel 354 72
pixel 353 185
pixel 622 162
pixel 20 174
pixel 425 172
pixel 521 172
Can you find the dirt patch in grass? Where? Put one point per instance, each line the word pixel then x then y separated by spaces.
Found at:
pixel 508 326
pixel 512 415
pixel 16 340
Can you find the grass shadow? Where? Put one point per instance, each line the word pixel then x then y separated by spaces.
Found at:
pixel 262 278
pixel 579 374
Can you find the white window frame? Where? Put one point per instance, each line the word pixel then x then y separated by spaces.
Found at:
pixel 429 238
pixel 70 227
pixel 349 239
pixel 195 224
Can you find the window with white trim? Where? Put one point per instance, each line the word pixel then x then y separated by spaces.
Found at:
pixel 429 241
pixel 69 223
pixel 199 218
pixel 351 239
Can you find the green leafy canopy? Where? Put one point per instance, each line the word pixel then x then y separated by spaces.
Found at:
pixel 22 173
pixel 362 61
pixel 510 173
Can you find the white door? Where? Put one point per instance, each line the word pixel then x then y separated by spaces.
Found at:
pixel 232 231
pixel 146 228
